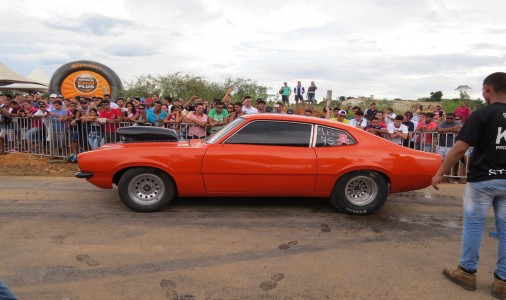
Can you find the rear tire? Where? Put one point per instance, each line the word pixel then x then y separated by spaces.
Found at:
pixel 360 193
pixel 146 189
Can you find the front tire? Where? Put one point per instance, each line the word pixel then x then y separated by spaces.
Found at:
pixel 146 189
pixel 360 193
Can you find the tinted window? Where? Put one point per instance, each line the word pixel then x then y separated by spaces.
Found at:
pixel 273 133
pixel 330 137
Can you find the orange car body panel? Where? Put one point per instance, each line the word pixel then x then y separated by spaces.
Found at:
pixel 219 169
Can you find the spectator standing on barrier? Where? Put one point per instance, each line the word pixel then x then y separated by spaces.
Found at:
pixel 93 128
pixel 198 121
pixel 447 132
pixel 74 129
pixel 389 116
pixel 299 91
pixel 130 113
pixel 237 112
pixel 174 119
pixel 230 110
pixel 375 127
pixel 37 134
pixel 285 92
pixel 462 111
pixel 218 117
pixel 58 116
pixel 247 108
pixel 111 103
pixel 340 116
pixel 485 130
pixel 5 119
pixel 424 132
pixel 381 118
pixel 141 116
pixel 397 132
pixel 311 92
pixel 411 129
pixel 261 106
pixel 120 101
pixel 192 103
pixel 371 112
pixel 359 120
pixel 112 118
pixel 157 115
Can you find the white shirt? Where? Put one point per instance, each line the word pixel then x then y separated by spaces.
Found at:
pixel 363 123
pixel 250 110
pixel 391 128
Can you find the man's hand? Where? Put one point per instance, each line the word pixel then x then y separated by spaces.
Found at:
pixel 437 179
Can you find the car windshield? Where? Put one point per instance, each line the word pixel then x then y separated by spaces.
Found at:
pixel 220 133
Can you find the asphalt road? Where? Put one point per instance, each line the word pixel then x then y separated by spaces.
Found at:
pixel 62 238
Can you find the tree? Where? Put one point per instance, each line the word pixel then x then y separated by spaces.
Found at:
pixel 436 96
pixel 185 86
pixel 464 91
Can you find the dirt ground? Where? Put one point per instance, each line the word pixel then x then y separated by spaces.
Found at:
pixel 62 238
pixel 25 164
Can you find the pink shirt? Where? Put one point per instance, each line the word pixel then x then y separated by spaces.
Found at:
pixel 195 129
pixel 431 128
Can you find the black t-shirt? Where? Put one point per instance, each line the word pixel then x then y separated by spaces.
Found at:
pixel 485 130
pixel 411 129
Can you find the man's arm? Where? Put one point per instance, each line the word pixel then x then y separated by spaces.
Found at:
pixel 189 102
pixel 452 158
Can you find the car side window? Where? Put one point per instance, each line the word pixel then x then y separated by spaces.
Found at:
pixel 331 137
pixel 273 133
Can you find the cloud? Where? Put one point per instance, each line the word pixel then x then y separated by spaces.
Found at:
pixel 91 23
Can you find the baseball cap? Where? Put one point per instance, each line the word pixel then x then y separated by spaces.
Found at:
pixel 290 111
pixel 53 96
pixel 342 112
pixel 408 114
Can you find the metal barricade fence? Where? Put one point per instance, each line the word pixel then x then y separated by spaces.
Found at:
pixel 54 138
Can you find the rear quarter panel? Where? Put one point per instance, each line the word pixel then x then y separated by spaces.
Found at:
pixel 406 169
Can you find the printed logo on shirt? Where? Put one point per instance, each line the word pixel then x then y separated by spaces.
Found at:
pixel 500 135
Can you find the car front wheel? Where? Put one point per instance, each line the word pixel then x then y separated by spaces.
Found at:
pixel 146 189
pixel 360 193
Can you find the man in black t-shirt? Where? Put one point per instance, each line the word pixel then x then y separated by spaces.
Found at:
pixel 485 130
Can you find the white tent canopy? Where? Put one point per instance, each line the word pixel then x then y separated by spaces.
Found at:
pixel 8 76
pixel 39 75
pixel 12 81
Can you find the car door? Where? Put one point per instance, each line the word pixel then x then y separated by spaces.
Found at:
pixel 263 158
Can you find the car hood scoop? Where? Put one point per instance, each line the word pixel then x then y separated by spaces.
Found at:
pixel 147 134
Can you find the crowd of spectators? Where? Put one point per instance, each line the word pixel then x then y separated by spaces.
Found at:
pixel 85 123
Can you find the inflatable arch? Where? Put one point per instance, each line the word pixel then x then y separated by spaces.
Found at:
pixel 86 78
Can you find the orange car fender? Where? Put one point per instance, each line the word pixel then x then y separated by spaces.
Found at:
pixel 325 182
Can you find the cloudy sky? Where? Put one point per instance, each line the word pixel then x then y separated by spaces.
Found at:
pixel 386 48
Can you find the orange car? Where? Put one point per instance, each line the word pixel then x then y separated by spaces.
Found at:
pixel 272 155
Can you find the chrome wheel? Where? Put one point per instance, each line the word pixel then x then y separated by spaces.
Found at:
pixel 146 189
pixel 361 190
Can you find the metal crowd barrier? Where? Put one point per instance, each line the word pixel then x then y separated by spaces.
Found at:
pixel 53 138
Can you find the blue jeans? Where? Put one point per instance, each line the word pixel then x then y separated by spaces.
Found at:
pixel 94 140
pixel 5 293
pixel 478 198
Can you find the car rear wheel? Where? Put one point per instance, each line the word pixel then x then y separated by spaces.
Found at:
pixel 146 189
pixel 360 193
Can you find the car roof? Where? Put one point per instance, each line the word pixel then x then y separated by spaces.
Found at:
pixel 297 118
